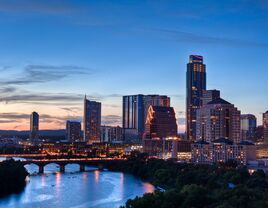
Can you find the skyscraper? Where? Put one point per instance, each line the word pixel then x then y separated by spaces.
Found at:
pixel 92 121
pixel 195 85
pixel 135 109
pixel 133 117
pixel 217 119
pixel 34 126
pixel 160 122
pixel 209 95
pixel 248 127
pixel 265 127
pixel 73 131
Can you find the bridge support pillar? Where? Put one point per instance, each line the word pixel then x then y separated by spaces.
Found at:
pixel 62 168
pixel 82 167
pixel 41 169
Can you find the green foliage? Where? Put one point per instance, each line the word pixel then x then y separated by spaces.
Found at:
pixel 196 186
pixel 12 177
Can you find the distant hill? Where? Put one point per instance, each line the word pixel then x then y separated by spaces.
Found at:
pixel 25 134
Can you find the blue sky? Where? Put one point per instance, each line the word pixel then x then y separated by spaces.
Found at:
pixel 53 52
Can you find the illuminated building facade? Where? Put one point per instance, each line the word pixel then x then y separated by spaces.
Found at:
pixel 160 123
pixel 209 95
pixel 265 127
pixel 92 121
pixel 248 127
pixel 195 85
pixel 133 117
pixel 222 150
pixel 217 119
pixel 111 134
pixel 135 108
pixel 73 131
pixel 34 126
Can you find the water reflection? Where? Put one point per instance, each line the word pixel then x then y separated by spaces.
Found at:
pixel 98 189
pixel 96 176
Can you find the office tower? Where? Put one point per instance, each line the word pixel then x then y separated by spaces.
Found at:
pixel 209 95
pixel 217 119
pixel 92 121
pixel 155 100
pixel 34 126
pixel 248 127
pixel 111 134
pixel 265 127
pixel 133 117
pixel 73 131
pixel 195 85
pixel 135 109
pixel 160 123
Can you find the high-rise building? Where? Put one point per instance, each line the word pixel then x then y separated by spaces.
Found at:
pixel 111 134
pixel 73 131
pixel 34 126
pixel 217 119
pixel 248 126
pixel 195 85
pixel 92 121
pixel 265 127
pixel 209 95
pixel 160 123
pixel 133 117
pixel 135 109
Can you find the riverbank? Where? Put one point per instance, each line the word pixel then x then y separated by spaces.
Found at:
pixel 191 185
pixel 12 177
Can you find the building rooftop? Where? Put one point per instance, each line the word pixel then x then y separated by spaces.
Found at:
pixel 246 143
pixel 162 108
pixel 223 141
pixel 218 101
pixel 201 142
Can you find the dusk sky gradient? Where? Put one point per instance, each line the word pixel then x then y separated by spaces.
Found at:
pixel 52 53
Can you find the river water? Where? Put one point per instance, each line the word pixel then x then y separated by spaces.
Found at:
pixel 74 189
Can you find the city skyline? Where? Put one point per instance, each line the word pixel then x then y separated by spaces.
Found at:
pixel 45 69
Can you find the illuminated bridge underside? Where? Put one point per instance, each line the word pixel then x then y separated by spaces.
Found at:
pixel 63 162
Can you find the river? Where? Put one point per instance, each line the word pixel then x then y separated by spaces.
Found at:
pixel 74 189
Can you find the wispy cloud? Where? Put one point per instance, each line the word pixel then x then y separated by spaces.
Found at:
pixel 112 120
pixel 45 73
pixel 188 37
pixel 13 117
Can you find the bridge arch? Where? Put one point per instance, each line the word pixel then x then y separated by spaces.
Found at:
pixel 32 168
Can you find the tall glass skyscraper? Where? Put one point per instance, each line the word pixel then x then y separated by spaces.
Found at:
pixel 135 108
pixel 195 85
pixel 133 117
pixel 34 126
pixel 92 121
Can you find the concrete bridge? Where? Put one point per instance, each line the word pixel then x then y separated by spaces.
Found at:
pixel 82 162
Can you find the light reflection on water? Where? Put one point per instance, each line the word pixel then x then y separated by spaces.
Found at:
pixel 98 189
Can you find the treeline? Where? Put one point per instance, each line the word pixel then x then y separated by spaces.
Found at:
pixel 190 185
pixel 12 177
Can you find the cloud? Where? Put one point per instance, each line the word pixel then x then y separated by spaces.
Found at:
pixel 13 117
pixel 182 36
pixel 45 73
pixel 112 120
pixel 37 6
pixel 7 90
pixel 44 98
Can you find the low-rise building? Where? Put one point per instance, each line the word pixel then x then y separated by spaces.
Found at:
pixel 222 150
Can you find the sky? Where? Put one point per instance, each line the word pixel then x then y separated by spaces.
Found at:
pixel 52 53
